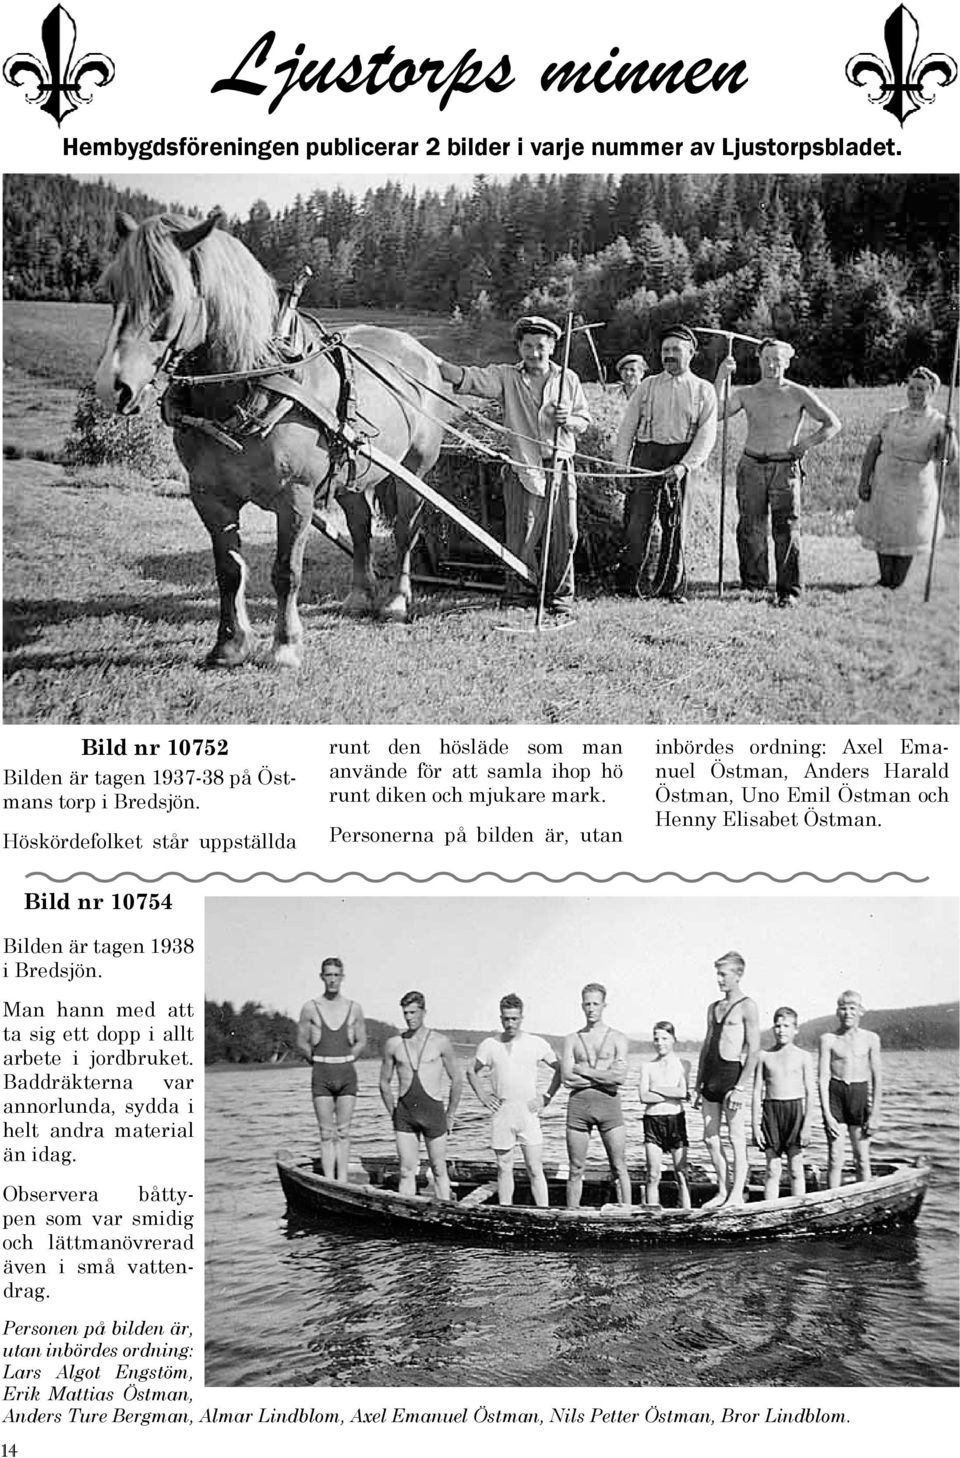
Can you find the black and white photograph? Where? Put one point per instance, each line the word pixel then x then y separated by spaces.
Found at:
pixel 515 1142
pixel 469 448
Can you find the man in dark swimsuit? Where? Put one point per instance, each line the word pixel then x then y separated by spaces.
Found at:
pixel 725 1076
pixel 332 1035
pixel 594 1066
pixel 420 1057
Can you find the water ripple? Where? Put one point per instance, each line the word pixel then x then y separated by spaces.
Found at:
pixel 292 1303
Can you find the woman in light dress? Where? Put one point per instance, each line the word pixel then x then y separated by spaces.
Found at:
pixel 898 479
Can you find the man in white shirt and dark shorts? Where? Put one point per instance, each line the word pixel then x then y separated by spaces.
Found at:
pixel 509 1091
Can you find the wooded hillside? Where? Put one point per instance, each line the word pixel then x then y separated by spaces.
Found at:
pixel 859 272
pixel 251 1034
pixel 937 1026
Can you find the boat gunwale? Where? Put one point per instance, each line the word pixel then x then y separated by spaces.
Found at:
pixel 783 1216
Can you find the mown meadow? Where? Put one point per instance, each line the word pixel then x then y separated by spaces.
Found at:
pixel 110 596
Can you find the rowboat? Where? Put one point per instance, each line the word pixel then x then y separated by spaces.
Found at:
pixel 892 1197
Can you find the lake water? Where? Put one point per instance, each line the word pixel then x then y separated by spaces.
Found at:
pixel 294 1303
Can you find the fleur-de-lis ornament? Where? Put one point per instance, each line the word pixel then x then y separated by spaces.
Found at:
pixel 902 81
pixel 58 82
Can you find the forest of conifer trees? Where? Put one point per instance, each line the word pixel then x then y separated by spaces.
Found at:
pixel 252 1033
pixel 859 272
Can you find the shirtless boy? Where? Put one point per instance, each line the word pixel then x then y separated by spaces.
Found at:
pixel 769 474
pixel 725 1076
pixel 332 1034
pixel 594 1067
pixel 510 1063
pixel 663 1093
pixel 783 1104
pixel 851 1088
pixel 420 1057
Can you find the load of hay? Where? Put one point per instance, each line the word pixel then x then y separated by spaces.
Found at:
pixel 472 480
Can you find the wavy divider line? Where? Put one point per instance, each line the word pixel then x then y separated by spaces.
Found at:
pixel 480 876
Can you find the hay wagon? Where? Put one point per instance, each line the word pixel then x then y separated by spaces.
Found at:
pixel 447 554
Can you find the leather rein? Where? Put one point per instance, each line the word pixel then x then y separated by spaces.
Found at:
pixel 232 376
pixel 273 377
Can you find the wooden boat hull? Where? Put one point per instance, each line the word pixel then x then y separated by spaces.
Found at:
pixel 893 1197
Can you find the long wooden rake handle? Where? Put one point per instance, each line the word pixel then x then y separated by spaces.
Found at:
pixel 723 470
pixel 554 485
pixel 942 468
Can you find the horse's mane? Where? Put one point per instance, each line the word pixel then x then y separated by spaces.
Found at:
pixel 150 270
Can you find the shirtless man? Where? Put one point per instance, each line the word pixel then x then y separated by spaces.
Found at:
pixel 725 1076
pixel 769 473
pixel 783 1104
pixel 332 1035
pixel 420 1057
pixel 511 1062
pixel 594 1067
pixel 851 1088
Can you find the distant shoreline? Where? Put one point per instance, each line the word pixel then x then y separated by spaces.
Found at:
pixel 225 1066
pixel 932 1028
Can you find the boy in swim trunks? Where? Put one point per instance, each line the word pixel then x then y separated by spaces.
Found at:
pixel 511 1062
pixel 420 1057
pixel 725 1076
pixel 663 1093
pixel 332 1034
pixel 851 1088
pixel 594 1067
pixel 783 1104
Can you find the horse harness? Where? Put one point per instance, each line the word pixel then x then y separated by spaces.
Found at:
pixel 272 393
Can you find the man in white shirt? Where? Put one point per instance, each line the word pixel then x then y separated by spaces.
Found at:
pixel 669 427
pixel 544 408
pixel 509 1091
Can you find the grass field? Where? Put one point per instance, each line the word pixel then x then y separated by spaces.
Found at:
pixel 111 602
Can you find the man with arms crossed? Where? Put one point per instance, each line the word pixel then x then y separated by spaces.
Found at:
pixel 332 1035
pixel 851 1088
pixel 769 474
pixel 420 1057
pixel 510 1093
pixel 594 1066
pixel 725 1074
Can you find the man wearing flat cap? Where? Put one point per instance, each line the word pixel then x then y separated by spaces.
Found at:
pixel 668 431
pixel 631 368
pixel 539 410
